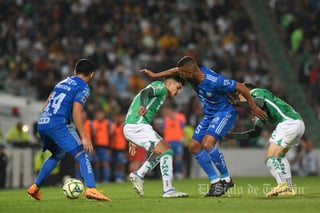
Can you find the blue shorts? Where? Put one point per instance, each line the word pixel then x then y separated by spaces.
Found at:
pixel 217 126
pixel 62 138
pixel 101 154
pixel 177 148
pixel 119 156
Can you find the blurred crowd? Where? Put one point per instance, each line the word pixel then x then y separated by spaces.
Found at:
pixel 41 40
pixel 299 22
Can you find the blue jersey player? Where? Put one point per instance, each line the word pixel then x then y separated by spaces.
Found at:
pixel 61 129
pixel 219 117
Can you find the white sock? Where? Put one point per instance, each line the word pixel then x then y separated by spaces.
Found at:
pixel 275 169
pixel 166 169
pixel 286 170
pixel 148 165
pixel 227 179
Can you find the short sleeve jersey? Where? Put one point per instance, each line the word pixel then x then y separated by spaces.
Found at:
pixel 213 90
pixel 153 104
pixel 60 103
pixel 277 109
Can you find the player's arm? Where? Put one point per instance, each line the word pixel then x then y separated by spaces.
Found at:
pixel 252 133
pixel 169 72
pixel 145 93
pixel 258 101
pixel 77 109
pixel 255 110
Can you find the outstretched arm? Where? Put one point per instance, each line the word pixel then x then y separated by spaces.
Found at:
pixel 169 72
pixel 255 110
pixel 259 102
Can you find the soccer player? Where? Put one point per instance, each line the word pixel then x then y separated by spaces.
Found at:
pixel 288 133
pixel 219 117
pixel 61 129
pixel 138 131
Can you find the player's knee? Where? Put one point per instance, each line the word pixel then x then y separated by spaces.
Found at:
pixel 161 147
pixel 208 142
pixel 194 147
pixel 58 156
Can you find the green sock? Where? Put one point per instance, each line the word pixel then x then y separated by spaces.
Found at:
pixel 286 170
pixel 275 169
pixel 166 169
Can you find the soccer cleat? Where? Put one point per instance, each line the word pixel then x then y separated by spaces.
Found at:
pixel 282 187
pixel 34 191
pixel 288 192
pixel 227 185
pixel 174 194
pixel 93 193
pixel 137 183
pixel 216 189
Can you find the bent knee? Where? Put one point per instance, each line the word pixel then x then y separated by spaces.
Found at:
pixel 161 147
pixel 194 147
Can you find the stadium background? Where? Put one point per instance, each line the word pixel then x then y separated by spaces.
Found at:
pixel 273 43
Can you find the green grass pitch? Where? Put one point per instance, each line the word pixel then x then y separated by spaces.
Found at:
pixel 246 196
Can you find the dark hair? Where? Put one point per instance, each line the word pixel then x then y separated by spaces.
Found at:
pixel 84 66
pixel 175 78
pixel 249 85
pixel 184 60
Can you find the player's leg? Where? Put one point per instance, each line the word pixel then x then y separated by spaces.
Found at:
pixel 48 165
pixel 71 143
pixel 218 128
pixel 177 148
pixel 165 152
pixel 121 160
pixel 286 170
pixel 286 135
pixel 271 160
pixel 105 158
pixel 144 136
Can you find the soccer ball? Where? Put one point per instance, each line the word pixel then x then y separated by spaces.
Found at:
pixel 72 188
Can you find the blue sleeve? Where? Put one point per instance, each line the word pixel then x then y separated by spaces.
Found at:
pixel 82 95
pixel 226 85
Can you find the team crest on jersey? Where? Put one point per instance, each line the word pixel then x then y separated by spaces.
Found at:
pixel 226 82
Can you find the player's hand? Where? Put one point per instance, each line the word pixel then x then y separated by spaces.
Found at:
pixel 148 73
pixel 257 112
pixel 132 149
pixel 87 145
pixel 142 110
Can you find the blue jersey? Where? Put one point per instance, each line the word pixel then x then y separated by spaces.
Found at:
pixel 212 92
pixel 59 108
pixel 219 113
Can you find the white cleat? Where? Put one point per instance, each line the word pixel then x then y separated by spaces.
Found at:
pixel 174 194
pixel 137 183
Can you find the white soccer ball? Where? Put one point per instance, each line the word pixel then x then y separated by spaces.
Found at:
pixel 73 188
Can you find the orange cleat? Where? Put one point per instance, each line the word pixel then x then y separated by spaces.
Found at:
pixel 93 193
pixel 34 191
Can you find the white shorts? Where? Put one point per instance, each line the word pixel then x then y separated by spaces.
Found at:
pixel 288 133
pixel 142 135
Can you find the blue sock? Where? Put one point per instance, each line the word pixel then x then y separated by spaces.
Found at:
pixel 106 174
pixel 47 168
pixel 218 159
pixel 206 164
pixel 86 170
pixel 178 164
pixel 97 173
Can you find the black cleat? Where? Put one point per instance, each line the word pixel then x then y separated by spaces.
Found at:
pixel 227 185
pixel 216 189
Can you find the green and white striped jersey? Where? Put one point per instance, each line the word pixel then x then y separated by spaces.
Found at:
pixel 153 104
pixel 277 109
